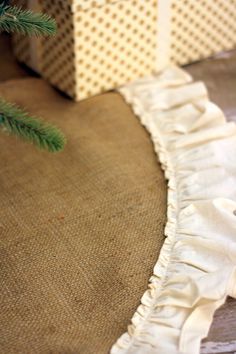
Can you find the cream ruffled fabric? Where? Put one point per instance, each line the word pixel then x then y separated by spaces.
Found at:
pixel 196 269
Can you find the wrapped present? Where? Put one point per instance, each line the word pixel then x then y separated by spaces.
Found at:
pixel 103 44
pixel 100 44
pixel 199 29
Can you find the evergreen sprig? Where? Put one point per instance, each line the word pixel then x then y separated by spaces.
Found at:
pixel 15 19
pixel 3 6
pixel 18 122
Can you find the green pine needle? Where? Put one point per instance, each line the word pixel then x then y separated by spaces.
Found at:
pixel 17 122
pixel 14 19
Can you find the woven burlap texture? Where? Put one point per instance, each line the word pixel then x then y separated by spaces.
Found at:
pixel 80 230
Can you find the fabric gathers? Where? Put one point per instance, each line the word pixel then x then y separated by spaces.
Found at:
pixel 196 269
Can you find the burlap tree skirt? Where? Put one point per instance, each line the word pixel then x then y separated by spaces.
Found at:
pixel 80 230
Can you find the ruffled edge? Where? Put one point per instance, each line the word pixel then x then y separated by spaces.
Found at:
pixel 158 279
pixel 160 269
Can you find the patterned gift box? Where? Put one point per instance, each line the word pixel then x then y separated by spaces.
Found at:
pixel 103 44
pixel 99 45
pixel 197 29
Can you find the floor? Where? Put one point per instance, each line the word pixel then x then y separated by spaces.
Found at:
pixel 219 74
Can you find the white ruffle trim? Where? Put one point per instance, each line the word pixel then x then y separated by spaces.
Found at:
pixel 196 269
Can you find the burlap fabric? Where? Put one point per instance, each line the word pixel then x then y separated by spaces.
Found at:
pixel 80 230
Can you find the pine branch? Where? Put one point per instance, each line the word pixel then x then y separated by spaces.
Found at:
pixel 17 122
pixel 3 6
pixel 14 19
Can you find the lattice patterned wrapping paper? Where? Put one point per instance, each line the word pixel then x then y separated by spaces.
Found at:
pixel 103 44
